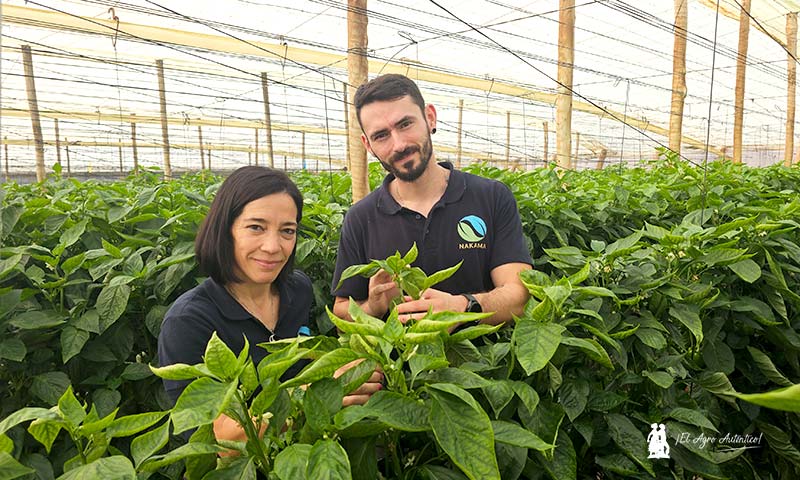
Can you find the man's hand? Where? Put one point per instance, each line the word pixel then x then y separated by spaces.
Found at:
pixel 382 290
pixel 438 300
pixel 362 394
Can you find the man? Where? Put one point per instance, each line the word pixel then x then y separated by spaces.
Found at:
pixel 451 215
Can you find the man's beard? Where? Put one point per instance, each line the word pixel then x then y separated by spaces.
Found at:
pixel 409 173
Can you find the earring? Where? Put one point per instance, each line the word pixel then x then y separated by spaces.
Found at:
pixel 433 130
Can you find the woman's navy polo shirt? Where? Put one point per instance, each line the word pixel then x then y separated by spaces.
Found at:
pixel 476 221
pixel 195 315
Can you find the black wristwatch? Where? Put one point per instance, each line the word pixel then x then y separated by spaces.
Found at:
pixel 473 306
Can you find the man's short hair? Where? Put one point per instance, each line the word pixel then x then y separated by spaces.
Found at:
pixel 391 86
pixel 213 246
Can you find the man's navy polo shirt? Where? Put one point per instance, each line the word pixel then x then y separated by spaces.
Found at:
pixel 208 307
pixel 476 221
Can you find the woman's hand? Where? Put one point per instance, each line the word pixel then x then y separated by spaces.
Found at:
pixel 362 394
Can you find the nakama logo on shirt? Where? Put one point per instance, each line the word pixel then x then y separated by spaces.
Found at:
pixel 472 229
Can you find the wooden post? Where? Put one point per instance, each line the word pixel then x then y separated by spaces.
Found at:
pixel 33 107
pixel 577 149
pixel 358 71
pixel 601 159
pixel 66 150
pixel 508 138
pixel 256 152
pixel 791 90
pixel 200 138
pixel 678 74
pixel 5 147
pixel 58 144
pixel 119 146
pixel 566 57
pixel 209 158
pixel 133 144
pixel 346 128
pixel 249 158
pixel 460 129
pixel 267 120
pixel 546 134
pixel 741 65
pixel 162 94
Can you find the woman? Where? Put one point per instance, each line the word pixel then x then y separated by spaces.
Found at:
pixel 246 245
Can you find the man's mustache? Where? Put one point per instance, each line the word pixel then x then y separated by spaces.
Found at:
pixel 404 153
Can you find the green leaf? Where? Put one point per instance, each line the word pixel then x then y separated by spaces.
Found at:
pixel 747 270
pixel 440 276
pixel 363 457
pixel 354 327
pixel 132 424
pixel 323 398
pixel 26 414
pixel 13 349
pixel 71 409
pixel 220 360
pixel 764 363
pixel 438 472
pixel 50 386
pixel 292 462
pixel 200 403
pixel 593 349
pixel 327 460
pixel 323 367
pixel 111 304
pixel 722 255
pixel 617 463
pixel 718 356
pixel 411 255
pixel 73 263
pixel 365 270
pixel 180 371
pixel 70 236
pixel 9 264
pixel 573 396
pixel 629 439
pixel 535 343
pixel 72 341
pixel 662 379
pixel 37 319
pixel 692 417
pixel 463 430
pixel 181 453
pixel 787 399
pixel 11 468
pixel 144 446
pixel 513 434
pixel 651 337
pixel 45 431
pixel 690 317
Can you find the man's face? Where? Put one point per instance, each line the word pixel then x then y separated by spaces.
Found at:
pixel 398 133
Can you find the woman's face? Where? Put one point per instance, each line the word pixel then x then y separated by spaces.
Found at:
pixel 264 236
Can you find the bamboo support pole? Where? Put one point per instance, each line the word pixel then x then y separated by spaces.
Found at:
pixel 119 147
pixel 162 94
pixel 678 75
pixel 200 139
pixel 256 152
pixel 566 58
pixel 508 138
pixel 33 107
pixel 66 150
pixel 460 130
pixel 791 89
pixel 546 134
pixel 346 104
pixel 58 144
pixel 5 148
pixel 302 147
pixel 133 146
pixel 357 67
pixel 741 65
pixel 267 120
pixel 601 159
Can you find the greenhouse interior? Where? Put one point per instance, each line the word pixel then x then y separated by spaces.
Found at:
pixel 641 157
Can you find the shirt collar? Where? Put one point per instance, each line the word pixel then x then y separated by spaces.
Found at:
pixel 232 310
pixel 456 186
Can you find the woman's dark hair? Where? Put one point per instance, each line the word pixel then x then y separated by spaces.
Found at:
pixel 391 86
pixel 213 246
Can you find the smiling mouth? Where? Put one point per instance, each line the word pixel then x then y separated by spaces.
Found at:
pixel 268 263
